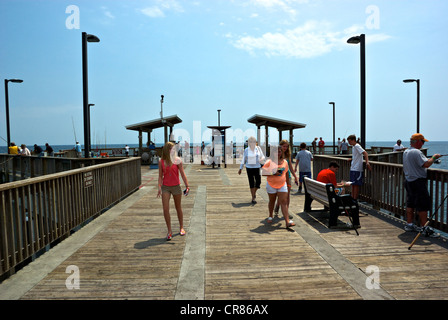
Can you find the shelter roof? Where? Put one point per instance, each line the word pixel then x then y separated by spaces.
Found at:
pixel 150 125
pixel 280 124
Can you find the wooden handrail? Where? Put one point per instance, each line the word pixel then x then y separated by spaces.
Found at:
pixel 38 212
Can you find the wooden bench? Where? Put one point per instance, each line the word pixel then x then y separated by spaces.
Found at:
pixel 326 195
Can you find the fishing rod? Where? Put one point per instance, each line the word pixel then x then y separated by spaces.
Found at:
pixel 426 224
pixel 74 131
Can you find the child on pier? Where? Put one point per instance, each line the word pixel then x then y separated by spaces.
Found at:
pixel 169 184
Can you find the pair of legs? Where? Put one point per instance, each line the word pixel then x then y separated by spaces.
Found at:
pixel 253 192
pixel 302 176
pixel 288 200
pixel 282 196
pixel 166 211
pixel 356 178
pixel 423 216
pixel 253 175
pixel 417 199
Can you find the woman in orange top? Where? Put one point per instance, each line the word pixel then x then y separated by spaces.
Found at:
pixel 276 170
pixel 169 184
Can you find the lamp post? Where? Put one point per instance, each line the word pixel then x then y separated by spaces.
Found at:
pixel 86 111
pixel 90 135
pixel 418 99
pixel 334 125
pixel 8 135
pixel 361 39
pixel 219 117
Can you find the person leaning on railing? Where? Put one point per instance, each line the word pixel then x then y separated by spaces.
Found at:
pixel 356 167
pixel 13 149
pixel 415 166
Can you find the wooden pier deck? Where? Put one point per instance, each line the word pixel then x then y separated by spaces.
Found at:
pixel 231 253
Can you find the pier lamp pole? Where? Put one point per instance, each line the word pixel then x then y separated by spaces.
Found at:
pixel 361 39
pixel 219 117
pixel 8 134
pixel 90 136
pixel 334 125
pixel 86 109
pixel 418 99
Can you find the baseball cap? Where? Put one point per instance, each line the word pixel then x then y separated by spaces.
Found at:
pixel 418 136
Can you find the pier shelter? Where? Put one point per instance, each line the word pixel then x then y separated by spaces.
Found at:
pixel 149 126
pixel 279 124
pixel 219 144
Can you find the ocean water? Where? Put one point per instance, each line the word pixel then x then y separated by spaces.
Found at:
pixel 440 147
pixel 433 147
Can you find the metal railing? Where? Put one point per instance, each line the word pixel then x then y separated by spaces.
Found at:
pixel 37 212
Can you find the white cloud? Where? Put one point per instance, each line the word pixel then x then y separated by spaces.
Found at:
pixel 312 39
pixel 284 5
pixel 160 7
pixel 153 12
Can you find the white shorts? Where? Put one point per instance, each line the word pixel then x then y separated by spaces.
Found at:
pixel 271 190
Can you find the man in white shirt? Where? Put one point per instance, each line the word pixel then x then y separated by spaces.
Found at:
pixel 356 169
pixel 399 146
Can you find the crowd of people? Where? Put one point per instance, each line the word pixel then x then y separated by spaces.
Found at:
pixel 24 151
pixel 279 172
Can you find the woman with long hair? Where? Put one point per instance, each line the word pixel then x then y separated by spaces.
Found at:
pixel 284 145
pixel 169 184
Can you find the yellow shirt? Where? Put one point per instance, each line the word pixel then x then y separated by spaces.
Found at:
pixel 13 150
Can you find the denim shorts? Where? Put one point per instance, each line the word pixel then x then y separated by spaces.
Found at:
pixel 302 175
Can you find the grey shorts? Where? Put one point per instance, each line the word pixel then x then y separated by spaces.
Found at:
pixel 174 190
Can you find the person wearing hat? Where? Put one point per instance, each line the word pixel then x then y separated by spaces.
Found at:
pixel 415 166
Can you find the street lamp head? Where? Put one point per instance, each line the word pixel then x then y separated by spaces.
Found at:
pixel 15 80
pixel 410 80
pixel 354 40
pixel 331 103
pixel 92 38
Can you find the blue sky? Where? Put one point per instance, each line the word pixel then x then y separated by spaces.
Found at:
pixel 280 58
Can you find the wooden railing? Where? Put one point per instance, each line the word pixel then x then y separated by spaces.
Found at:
pixel 383 186
pixel 38 212
pixel 16 167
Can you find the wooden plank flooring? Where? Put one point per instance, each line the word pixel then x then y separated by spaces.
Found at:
pixel 245 258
